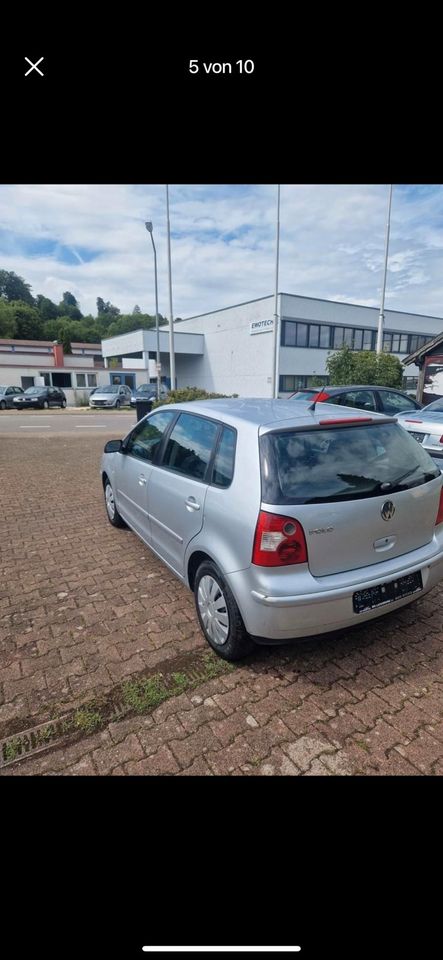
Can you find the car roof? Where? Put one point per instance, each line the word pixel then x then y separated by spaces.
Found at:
pixel 259 412
pixel 358 386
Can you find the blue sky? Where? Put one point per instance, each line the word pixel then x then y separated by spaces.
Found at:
pixel 91 240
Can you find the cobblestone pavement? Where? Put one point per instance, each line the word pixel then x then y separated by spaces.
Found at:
pixel 84 606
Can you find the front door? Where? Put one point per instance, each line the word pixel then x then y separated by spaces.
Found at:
pixel 177 488
pixel 133 469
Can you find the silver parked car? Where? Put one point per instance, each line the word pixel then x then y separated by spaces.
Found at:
pixel 426 426
pixel 7 395
pixel 285 521
pixel 112 395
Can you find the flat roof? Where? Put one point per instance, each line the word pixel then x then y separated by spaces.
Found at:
pixel 299 296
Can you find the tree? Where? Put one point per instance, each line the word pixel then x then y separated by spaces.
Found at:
pixel 136 309
pixel 29 325
pixel 8 323
pixel 47 309
pixel 13 287
pixel 347 366
pixel 106 309
pixel 69 300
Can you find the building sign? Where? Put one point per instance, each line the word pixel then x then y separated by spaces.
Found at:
pixel 261 326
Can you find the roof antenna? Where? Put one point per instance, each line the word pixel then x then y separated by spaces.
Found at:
pixel 317 399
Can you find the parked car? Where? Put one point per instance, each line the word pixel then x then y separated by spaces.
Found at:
pixel 7 395
pixel 426 426
pixel 378 399
pixel 284 522
pixel 40 397
pixel 148 391
pixel 112 395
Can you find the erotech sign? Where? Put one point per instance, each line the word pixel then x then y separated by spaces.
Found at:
pixel 261 326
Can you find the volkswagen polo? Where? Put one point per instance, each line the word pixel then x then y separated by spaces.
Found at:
pixel 285 520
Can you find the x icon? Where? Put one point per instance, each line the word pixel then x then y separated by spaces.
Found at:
pixel 34 66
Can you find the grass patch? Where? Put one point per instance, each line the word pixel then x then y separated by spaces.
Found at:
pixel 87 720
pixel 363 745
pixel 12 749
pixel 144 695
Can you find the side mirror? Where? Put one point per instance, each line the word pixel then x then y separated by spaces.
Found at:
pixel 113 446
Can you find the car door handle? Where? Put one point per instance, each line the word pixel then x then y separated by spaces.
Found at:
pixel 192 504
pixel 142 480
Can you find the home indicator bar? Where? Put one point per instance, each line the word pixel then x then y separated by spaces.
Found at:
pixel 221 949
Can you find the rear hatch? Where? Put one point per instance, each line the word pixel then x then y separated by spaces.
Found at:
pixel 364 492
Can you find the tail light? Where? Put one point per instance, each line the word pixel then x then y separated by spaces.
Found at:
pixel 322 396
pixel 278 541
pixel 439 518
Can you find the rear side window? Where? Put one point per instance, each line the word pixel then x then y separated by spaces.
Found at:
pixel 393 403
pixel 189 448
pixel 341 463
pixel 223 470
pixel 361 399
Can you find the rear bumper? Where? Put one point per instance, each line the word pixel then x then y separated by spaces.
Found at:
pixel 280 605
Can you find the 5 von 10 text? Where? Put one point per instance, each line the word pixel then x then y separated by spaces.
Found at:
pixel 240 66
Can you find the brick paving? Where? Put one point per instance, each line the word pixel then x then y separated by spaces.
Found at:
pixel 84 606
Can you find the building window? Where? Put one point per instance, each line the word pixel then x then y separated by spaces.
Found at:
pixel 61 380
pixel 325 337
pixel 409 384
pixel 92 379
pixel 27 382
pixel 290 383
pixel 81 379
pixel 46 378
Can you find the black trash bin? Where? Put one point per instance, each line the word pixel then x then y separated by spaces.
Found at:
pixel 142 408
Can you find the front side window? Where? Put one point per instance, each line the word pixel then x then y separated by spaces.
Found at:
pixel 223 470
pixel 190 446
pixel 341 463
pixel 145 440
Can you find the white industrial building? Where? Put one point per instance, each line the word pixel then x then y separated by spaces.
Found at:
pixel 231 350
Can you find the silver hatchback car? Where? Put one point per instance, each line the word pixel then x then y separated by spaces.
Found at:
pixel 285 520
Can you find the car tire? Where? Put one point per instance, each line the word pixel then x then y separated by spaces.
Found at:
pixel 2 405
pixel 63 404
pixel 117 405
pixel 45 405
pixel 218 614
pixel 111 509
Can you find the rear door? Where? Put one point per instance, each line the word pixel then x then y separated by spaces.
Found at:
pixel 177 488
pixel 363 494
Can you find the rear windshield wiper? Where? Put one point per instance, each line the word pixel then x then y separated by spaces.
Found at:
pixel 389 484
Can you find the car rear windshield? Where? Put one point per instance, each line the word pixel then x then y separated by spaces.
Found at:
pixel 305 394
pixel 341 463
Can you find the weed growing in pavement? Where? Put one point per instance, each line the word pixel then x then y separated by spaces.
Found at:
pixel 87 720
pixel 12 749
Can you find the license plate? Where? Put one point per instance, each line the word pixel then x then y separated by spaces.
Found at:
pixel 387 592
pixel 417 436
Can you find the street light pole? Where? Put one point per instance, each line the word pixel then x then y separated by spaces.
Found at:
pixel 150 229
pixel 382 306
pixel 275 331
pixel 171 315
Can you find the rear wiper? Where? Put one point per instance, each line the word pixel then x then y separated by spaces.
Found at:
pixel 389 484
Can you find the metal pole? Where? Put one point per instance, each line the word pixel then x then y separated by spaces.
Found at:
pixel 171 315
pixel 156 318
pixel 275 343
pixel 382 306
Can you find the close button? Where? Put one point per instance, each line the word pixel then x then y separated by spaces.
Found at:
pixel 34 66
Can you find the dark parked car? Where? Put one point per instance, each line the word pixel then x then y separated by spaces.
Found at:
pixel 7 395
pixel 148 391
pixel 378 399
pixel 40 398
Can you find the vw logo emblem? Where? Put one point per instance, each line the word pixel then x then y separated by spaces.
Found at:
pixel 387 510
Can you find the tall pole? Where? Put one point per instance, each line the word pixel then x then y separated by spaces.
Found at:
pixel 171 315
pixel 275 331
pixel 382 306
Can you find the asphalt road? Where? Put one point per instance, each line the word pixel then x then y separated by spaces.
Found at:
pixel 55 423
